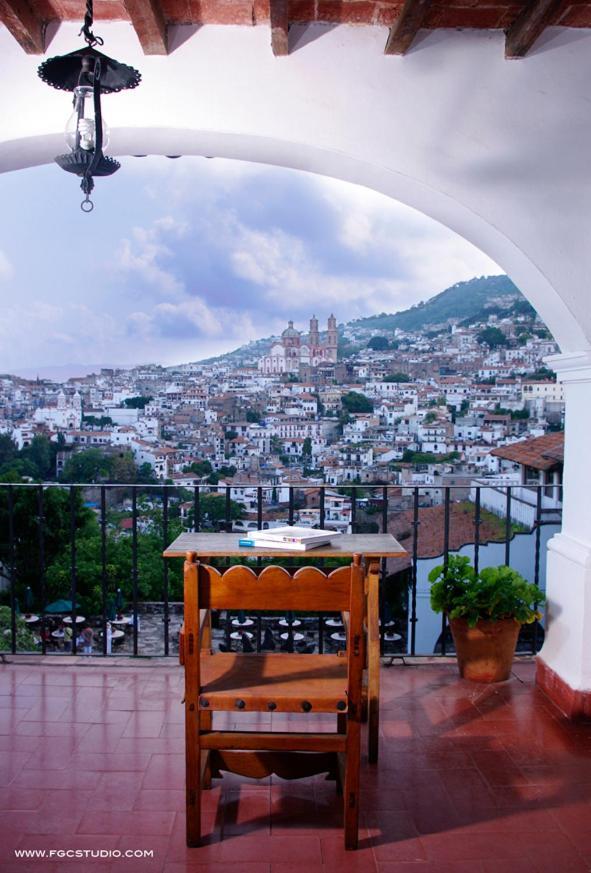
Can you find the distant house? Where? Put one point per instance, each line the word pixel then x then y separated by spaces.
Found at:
pixel 533 469
pixel 538 461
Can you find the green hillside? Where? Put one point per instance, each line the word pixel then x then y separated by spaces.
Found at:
pixel 469 302
pixel 466 301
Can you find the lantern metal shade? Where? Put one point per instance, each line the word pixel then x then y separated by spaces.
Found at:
pixel 64 71
pixel 79 162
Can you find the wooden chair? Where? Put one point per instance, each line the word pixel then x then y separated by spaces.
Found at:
pixel 272 683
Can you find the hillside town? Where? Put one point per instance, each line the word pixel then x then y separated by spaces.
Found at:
pixel 352 404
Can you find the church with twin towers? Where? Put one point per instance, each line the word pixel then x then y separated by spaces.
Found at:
pixel 295 349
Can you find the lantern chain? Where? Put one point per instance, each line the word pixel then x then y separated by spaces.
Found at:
pixel 89 36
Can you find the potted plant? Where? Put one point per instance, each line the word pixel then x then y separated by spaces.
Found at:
pixel 485 613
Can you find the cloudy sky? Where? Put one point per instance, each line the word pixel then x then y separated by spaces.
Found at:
pixel 182 259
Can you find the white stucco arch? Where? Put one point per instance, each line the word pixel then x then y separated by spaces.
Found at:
pixel 496 150
pixel 435 204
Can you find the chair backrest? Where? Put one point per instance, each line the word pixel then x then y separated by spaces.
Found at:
pixel 307 590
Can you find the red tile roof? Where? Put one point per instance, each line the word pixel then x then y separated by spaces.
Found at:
pixel 541 453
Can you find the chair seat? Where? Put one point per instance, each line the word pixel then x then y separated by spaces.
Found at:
pixel 281 682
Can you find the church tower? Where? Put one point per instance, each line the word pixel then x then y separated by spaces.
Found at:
pixel 314 339
pixel 332 338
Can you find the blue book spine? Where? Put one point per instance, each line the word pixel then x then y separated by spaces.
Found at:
pixel 246 542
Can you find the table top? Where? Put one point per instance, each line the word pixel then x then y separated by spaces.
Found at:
pixel 67 619
pixel 225 545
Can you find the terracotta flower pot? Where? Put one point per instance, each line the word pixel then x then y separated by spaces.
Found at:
pixel 485 652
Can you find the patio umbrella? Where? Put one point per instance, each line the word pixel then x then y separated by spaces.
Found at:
pixel 59 606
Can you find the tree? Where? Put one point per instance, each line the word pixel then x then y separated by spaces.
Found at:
pixel 493 337
pixel 42 454
pixel 397 377
pixel 543 373
pixel 8 449
pixel 60 509
pixel 122 468
pixel 139 402
pixel 354 402
pixel 96 466
pixel 93 421
pixel 430 417
pixel 200 468
pixel 253 415
pixel 119 565
pixel 378 343
pixel 307 447
pixel 146 475
pixel 212 508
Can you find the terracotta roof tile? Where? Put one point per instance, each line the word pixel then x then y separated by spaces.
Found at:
pixel 540 453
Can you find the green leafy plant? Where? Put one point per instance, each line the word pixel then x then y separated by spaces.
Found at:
pixel 493 594
pixel 25 641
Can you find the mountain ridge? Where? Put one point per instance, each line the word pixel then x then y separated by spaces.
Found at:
pixel 465 301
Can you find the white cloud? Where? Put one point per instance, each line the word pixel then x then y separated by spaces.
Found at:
pixel 290 277
pixel 431 256
pixel 6 268
pixel 145 252
pixel 207 322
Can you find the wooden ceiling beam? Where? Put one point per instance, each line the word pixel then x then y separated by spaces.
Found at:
pixel 24 24
pixel 148 22
pixel 406 27
pixel 279 27
pixel 529 25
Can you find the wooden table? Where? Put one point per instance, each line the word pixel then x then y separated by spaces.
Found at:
pixel 372 547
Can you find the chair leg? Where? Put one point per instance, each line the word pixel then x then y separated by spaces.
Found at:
pixel 351 788
pixel 206 721
pixel 193 774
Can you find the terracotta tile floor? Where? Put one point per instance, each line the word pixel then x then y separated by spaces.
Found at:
pixel 471 779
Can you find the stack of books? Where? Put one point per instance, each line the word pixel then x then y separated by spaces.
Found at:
pixel 293 539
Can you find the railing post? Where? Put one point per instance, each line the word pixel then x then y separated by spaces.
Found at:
pixel 196 510
pixel 73 569
pixel 477 523
pixel 508 528
pixel 537 562
pixel 12 562
pixel 103 524
pixel 41 539
pixel 134 570
pixel 415 553
pixel 228 510
pixel 445 564
pixel 259 622
pixel 166 616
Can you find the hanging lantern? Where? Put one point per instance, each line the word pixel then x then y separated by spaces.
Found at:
pixel 88 74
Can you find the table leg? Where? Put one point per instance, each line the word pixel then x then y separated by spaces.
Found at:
pixel 373 658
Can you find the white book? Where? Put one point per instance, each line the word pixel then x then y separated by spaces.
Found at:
pixel 292 534
pixel 280 544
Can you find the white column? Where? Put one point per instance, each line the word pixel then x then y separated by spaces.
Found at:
pixel 556 496
pixel 567 647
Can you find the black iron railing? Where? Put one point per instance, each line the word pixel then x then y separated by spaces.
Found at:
pixel 30 547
